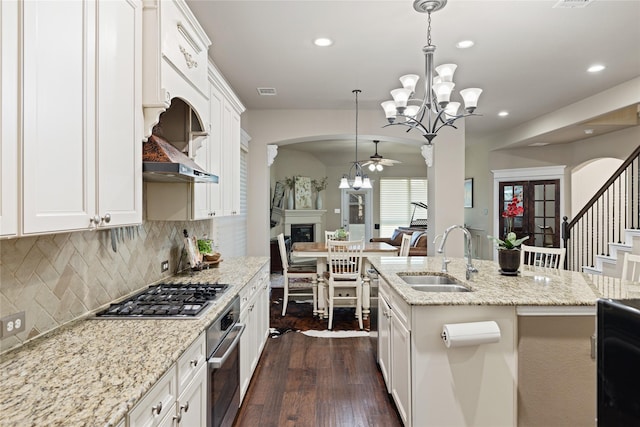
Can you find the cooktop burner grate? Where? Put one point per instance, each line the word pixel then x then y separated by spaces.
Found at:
pixel 166 300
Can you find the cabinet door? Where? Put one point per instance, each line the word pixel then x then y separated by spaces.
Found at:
pixel 230 178
pixel 119 114
pixel 401 368
pixel 384 339
pixel 9 118
pixel 216 102
pixel 245 353
pixel 58 115
pixel 192 404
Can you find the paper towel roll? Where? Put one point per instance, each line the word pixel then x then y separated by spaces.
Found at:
pixel 468 334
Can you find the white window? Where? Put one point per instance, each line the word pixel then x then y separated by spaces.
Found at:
pixel 396 195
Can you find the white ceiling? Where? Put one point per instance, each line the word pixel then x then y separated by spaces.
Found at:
pixel 529 58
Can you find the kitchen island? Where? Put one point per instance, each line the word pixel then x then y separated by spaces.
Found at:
pixel 540 372
pixel 92 372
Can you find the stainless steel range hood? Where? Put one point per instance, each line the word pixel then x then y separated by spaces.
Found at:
pixel 162 162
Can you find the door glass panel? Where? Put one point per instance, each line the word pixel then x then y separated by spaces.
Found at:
pixel 550 208
pixel 539 209
pixel 550 192
pixel 539 192
pixel 356 218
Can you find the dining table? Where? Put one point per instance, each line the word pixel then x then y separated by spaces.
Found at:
pixel 319 251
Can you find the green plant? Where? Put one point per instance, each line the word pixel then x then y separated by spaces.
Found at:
pixel 319 184
pixel 205 246
pixel 340 233
pixel 510 242
pixel 290 182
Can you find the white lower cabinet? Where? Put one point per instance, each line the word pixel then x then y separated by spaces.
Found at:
pixel 179 398
pixel 394 349
pixel 192 403
pixel 158 406
pixel 254 303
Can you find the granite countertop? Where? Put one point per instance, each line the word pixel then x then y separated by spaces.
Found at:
pixel 92 372
pixel 534 286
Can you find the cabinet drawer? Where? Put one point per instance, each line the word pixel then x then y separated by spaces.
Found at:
pixel 157 403
pixel 182 44
pixel 190 362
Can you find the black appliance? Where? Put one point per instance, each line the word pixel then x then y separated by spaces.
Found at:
pixel 223 366
pixel 167 300
pixel 618 361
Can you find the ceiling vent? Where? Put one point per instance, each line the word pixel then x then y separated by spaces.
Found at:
pixel 572 4
pixel 267 91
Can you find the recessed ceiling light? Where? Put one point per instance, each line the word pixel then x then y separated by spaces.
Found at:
pixel 464 44
pixel 588 131
pixel 538 144
pixel 323 42
pixel 595 68
pixel 503 113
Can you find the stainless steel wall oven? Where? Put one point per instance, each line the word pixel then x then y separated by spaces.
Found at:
pixel 223 366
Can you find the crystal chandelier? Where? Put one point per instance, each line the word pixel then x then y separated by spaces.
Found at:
pixel 360 180
pixel 434 111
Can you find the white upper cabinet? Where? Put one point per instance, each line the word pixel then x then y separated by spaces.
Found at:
pixel 9 119
pixel 81 113
pixel 119 131
pixel 175 49
pixel 58 115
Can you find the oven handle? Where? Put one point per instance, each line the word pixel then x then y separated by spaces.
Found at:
pixel 233 336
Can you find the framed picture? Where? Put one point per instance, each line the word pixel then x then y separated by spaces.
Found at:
pixel 277 203
pixel 302 192
pixel 468 193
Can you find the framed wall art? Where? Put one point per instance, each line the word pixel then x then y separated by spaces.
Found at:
pixel 468 193
pixel 302 192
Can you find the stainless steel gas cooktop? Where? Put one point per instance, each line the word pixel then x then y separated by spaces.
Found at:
pixel 167 300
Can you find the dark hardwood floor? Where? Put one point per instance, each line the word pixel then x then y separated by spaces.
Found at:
pixel 326 382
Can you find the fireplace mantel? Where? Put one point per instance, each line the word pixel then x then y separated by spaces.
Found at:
pixel 305 216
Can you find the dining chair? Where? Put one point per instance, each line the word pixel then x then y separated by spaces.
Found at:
pixel 631 268
pixel 345 265
pixel 289 272
pixel 542 257
pixel 405 245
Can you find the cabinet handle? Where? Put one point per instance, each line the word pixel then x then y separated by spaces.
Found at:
pixel 178 417
pixel 94 221
pixel 107 218
pixel 157 408
pixel 194 363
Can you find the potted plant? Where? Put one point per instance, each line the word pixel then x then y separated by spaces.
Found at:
pixel 318 185
pixel 509 248
pixel 341 234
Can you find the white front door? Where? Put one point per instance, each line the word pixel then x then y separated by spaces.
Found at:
pixel 357 213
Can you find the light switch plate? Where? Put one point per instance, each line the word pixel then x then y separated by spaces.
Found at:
pixel 336 210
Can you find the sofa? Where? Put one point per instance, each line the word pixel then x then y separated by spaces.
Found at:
pixel 418 243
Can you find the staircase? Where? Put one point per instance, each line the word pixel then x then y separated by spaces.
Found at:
pixel 611 264
pixel 608 225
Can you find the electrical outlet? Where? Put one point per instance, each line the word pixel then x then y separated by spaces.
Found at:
pixel 12 324
pixel 164 266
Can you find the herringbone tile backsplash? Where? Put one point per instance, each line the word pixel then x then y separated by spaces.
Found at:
pixel 57 278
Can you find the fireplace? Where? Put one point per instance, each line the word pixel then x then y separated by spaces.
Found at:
pixel 302 233
pixel 309 223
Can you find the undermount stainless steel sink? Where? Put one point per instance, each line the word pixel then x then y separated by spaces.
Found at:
pixel 433 283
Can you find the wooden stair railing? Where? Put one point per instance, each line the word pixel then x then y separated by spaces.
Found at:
pixel 614 208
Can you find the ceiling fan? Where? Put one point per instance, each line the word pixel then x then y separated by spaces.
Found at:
pixel 376 162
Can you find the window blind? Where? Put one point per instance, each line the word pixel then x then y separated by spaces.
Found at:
pixel 396 195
